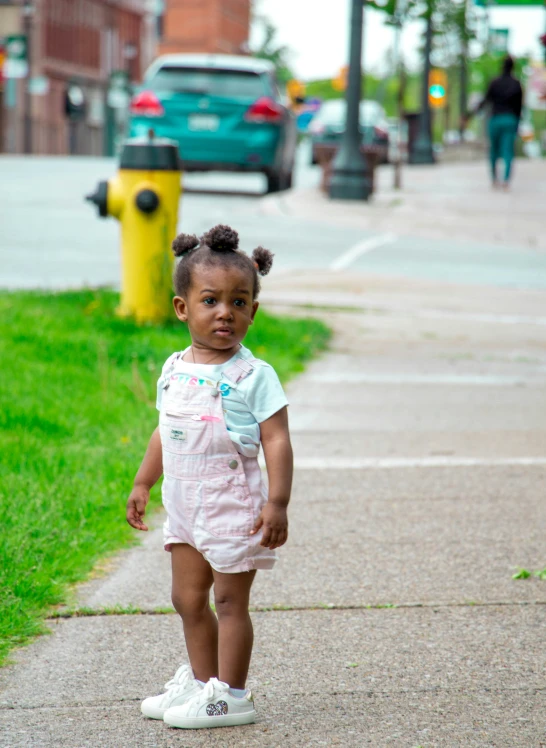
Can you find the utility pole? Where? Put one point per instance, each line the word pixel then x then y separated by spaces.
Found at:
pixel 422 153
pixel 350 172
pixel 28 12
pixel 399 73
pixel 463 71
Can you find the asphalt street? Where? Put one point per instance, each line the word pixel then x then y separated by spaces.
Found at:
pixel 65 244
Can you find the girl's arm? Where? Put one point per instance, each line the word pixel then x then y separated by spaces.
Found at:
pixel 149 472
pixel 273 518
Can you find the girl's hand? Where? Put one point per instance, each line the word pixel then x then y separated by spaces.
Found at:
pixel 136 507
pixel 274 521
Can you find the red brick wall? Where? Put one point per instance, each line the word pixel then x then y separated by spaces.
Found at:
pixel 79 40
pixel 216 26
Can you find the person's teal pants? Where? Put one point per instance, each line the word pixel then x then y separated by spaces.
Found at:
pixel 503 129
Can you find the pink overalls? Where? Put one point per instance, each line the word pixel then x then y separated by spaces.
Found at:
pixel 212 494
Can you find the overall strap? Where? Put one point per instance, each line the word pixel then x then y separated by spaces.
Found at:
pixel 240 369
pixel 167 375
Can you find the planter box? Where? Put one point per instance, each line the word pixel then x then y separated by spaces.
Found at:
pixel 325 155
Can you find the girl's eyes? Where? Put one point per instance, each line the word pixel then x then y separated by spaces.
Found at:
pixel 210 300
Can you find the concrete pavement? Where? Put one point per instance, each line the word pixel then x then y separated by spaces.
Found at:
pixel 392 618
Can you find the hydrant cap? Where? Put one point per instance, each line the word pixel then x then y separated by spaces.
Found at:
pixel 147 201
pixel 144 154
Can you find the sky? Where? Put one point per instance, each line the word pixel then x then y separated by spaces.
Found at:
pixel 318 35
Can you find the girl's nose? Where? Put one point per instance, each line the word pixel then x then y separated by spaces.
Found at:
pixel 224 311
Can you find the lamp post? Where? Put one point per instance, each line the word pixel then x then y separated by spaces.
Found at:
pixel 28 12
pixel 350 178
pixel 422 153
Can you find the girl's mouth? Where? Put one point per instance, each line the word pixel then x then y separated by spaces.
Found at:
pixel 223 331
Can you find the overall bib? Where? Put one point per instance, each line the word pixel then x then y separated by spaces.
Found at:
pixel 212 494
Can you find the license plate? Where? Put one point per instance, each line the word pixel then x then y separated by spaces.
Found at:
pixel 203 122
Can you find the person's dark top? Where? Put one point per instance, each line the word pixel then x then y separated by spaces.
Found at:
pixel 505 96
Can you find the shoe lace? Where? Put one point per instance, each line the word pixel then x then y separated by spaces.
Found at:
pixel 181 675
pixel 177 690
pixel 208 692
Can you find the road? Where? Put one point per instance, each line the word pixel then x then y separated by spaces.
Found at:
pixel 52 238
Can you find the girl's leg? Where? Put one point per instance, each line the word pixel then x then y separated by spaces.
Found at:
pixel 192 580
pixel 235 633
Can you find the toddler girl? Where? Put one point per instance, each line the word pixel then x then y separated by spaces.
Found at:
pixel 217 404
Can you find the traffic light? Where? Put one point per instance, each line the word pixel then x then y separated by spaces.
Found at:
pixel 296 92
pixel 437 88
pixel 340 82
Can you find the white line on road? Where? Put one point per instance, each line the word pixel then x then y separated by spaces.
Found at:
pixel 348 257
pixel 381 463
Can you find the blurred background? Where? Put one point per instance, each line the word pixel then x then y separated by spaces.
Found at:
pixel 69 68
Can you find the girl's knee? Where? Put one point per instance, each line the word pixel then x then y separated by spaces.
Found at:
pixel 229 605
pixel 190 604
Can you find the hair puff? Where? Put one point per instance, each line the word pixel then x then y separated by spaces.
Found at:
pixel 222 238
pixel 184 243
pixel 262 259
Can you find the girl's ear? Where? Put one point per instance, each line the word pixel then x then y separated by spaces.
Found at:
pixel 180 308
pixel 255 305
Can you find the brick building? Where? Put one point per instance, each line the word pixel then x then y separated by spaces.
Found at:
pixel 75 45
pixel 216 26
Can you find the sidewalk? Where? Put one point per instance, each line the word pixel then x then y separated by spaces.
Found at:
pixel 452 200
pixel 392 618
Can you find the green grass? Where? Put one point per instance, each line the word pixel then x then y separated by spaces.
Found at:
pixel 77 407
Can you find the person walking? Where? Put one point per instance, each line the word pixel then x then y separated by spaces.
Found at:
pixel 504 97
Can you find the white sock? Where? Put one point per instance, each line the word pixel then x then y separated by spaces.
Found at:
pixel 239 693
pixel 201 683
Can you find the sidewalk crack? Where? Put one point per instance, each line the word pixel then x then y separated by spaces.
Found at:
pixel 281 608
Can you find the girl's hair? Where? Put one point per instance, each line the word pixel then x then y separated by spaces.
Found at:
pixel 507 65
pixel 219 246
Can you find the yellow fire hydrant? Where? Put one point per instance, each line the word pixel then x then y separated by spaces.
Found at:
pixel 144 197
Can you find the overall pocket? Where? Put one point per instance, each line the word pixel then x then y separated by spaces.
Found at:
pixel 184 433
pixel 228 506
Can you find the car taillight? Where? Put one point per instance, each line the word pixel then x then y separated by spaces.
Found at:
pixel 380 133
pixel 265 110
pixel 146 104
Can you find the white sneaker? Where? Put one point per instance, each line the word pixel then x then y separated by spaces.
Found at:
pixel 178 677
pixel 178 690
pixel 213 706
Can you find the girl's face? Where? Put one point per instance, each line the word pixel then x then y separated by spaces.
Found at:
pixel 219 307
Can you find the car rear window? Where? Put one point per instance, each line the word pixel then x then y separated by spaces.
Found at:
pixel 333 112
pixel 230 83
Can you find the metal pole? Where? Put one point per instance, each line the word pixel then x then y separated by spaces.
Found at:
pixel 422 153
pixel 28 10
pixel 399 103
pixel 350 172
pixel 463 79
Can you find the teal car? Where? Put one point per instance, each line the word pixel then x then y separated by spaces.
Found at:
pixel 224 111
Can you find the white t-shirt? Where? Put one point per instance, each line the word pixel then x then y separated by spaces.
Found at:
pixel 255 399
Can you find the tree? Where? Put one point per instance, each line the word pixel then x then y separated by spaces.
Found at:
pixel 269 49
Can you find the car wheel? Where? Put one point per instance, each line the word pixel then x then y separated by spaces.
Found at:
pixel 274 182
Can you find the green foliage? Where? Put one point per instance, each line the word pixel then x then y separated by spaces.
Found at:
pixel 270 50
pixel 383 90
pixel 77 407
pixel 526 574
